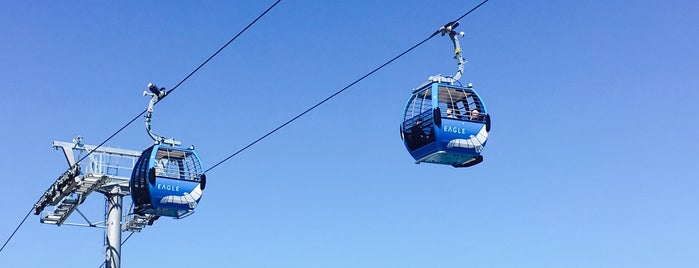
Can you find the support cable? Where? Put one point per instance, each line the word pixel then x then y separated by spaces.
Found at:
pixel 473 9
pixel 15 231
pixel 224 46
pixel 342 90
pixel 122 243
pixel 186 77
pixel 127 238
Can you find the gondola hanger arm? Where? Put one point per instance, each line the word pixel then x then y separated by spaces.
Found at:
pixel 156 94
pixel 454 36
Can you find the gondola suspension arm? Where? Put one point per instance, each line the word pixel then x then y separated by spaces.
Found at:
pixel 156 94
pixel 453 35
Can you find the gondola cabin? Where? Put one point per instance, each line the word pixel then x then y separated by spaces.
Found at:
pixel 444 123
pixel 167 181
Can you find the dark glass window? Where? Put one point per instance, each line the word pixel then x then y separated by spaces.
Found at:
pixel 177 164
pixel 460 104
pixel 418 121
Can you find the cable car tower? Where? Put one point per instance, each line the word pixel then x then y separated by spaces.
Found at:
pixel 106 171
pixel 109 171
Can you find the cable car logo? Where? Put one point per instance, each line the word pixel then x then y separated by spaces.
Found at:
pixel 187 198
pixel 476 141
pixel 174 188
pixel 457 130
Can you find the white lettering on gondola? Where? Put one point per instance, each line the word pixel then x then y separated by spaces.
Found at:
pixel 456 130
pixel 174 188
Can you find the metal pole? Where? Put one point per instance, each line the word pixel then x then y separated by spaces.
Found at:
pixel 113 231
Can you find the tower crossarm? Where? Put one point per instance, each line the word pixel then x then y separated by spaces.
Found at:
pixel 103 167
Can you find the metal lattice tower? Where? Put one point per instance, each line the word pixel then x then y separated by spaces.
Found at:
pixel 106 171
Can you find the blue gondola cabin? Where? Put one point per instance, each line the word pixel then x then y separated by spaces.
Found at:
pixel 167 181
pixel 445 124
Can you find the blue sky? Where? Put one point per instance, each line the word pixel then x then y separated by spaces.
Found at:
pixel 591 161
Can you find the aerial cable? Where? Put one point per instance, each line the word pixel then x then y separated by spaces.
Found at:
pixel 127 238
pixel 473 9
pixel 122 243
pixel 144 111
pixel 15 231
pixel 320 103
pixel 185 79
pixel 440 30
pixel 224 46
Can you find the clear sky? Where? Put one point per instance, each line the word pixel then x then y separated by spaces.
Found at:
pixel 591 162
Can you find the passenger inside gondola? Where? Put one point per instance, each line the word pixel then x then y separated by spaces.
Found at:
pixel 475 115
pixel 451 114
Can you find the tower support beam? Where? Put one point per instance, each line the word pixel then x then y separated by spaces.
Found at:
pixel 113 231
